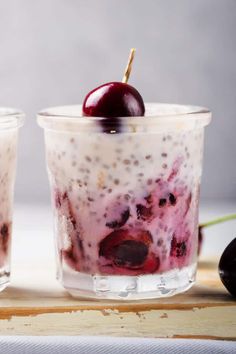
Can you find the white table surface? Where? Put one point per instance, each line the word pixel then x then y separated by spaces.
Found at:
pixel 33 246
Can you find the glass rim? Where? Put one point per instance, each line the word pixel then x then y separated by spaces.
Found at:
pixel 157 114
pixel 11 118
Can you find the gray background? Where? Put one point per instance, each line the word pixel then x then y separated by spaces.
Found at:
pixel 52 52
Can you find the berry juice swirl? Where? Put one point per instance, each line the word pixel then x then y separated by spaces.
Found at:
pixel 125 204
pixel 8 141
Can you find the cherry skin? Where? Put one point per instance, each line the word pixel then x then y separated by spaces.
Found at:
pixel 113 99
pixel 227 267
pixel 200 240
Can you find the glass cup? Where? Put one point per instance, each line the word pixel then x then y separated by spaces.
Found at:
pixel 10 122
pixel 125 195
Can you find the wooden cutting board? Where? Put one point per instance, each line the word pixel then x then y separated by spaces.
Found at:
pixel 35 304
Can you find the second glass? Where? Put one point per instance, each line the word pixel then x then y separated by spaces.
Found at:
pixel 10 122
pixel 125 204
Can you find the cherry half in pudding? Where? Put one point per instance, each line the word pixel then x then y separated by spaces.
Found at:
pixel 128 251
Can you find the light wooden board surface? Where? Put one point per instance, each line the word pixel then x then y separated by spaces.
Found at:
pixel 36 304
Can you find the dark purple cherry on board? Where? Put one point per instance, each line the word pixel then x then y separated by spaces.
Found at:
pixel 227 267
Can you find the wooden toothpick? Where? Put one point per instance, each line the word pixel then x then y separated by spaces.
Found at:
pixel 129 66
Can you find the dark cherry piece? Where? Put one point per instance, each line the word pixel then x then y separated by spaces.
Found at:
pixel 143 212
pixel 116 224
pixel 178 249
pixel 162 202
pixel 227 267
pixel 172 199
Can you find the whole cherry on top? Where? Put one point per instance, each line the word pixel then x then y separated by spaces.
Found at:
pixel 113 100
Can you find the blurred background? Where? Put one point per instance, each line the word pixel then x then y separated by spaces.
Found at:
pixel 54 52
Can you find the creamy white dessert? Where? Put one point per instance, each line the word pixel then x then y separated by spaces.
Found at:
pixel 127 203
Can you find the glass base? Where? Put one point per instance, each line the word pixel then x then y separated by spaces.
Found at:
pixel 4 278
pixel 120 287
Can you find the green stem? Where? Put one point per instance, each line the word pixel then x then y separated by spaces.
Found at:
pixel 218 220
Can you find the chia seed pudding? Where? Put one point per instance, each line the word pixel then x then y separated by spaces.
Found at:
pixel 125 204
pixel 10 121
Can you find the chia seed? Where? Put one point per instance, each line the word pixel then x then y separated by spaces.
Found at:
pixel 87 158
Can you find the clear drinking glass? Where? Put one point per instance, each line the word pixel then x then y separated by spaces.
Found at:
pixel 125 199
pixel 10 122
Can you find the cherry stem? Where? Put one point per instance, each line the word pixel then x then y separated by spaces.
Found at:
pixel 129 66
pixel 218 220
